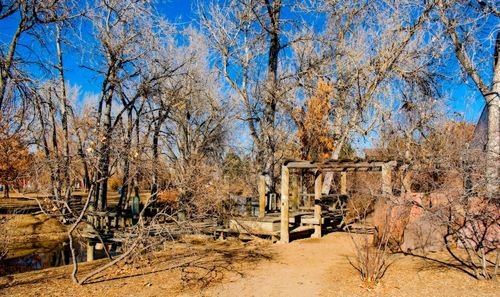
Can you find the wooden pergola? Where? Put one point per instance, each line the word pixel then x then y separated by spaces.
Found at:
pixel 343 166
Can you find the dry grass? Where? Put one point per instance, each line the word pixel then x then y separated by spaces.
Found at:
pixel 188 266
pixel 231 268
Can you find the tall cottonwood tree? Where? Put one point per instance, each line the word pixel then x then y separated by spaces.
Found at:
pixel 29 15
pixel 63 13
pixel 195 128
pixel 39 25
pixel 248 37
pixel 124 31
pixel 367 51
pixel 469 25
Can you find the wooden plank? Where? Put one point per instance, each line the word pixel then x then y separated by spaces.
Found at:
pixel 318 186
pixel 251 232
pixel 312 221
pixel 262 196
pixel 253 226
pixel 296 217
pixel 284 234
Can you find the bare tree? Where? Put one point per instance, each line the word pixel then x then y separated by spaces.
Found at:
pixel 248 37
pixel 123 31
pixel 365 58
pixel 464 24
pixel 29 14
pixel 195 130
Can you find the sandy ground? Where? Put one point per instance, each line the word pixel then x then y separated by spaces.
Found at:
pixel 308 267
pixel 314 267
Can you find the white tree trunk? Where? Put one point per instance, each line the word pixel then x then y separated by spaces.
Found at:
pixel 493 143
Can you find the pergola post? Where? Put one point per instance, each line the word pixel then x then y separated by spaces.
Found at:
pixel 90 250
pixel 343 183
pixel 318 186
pixel 262 196
pixel 295 193
pixel 406 180
pixel 386 179
pixel 284 234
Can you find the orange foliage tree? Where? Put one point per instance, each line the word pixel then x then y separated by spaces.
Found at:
pixel 313 121
pixel 15 159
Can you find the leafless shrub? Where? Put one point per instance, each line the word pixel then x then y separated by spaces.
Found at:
pixel 372 250
pixel 364 194
pixel 447 201
pixel 371 260
pixel 201 190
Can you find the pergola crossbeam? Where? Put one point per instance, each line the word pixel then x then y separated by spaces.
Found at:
pixel 342 166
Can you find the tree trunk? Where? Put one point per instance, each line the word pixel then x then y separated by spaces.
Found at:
pixel 55 155
pixel 86 176
pixel 6 191
pixel 7 64
pixel 137 136
pixel 156 134
pixel 493 143
pixel 103 170
pixel 327 184
pixel 126 169
pixel 268 129
pixel 64 113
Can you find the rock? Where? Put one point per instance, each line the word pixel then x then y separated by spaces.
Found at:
pixel 424 235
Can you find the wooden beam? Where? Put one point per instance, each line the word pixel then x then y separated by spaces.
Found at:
pixel 318 186
pixel 339 165
pixel 262 196
pixel 284 234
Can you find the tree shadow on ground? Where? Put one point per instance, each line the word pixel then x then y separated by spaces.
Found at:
pixel 199 267
pixel 441 262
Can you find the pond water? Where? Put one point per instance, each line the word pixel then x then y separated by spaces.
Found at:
pixel 29 256
pixel 35 241
pixel 41 255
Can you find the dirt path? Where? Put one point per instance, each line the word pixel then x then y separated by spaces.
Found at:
pixel 308 267
pixel 299 269
pixel 314 267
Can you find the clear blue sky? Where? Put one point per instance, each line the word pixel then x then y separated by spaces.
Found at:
pixel 178 10
pixel 465 99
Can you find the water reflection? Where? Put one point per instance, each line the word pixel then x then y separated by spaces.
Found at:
pixel 38 255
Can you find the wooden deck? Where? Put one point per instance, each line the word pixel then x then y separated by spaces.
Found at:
pixel 301 224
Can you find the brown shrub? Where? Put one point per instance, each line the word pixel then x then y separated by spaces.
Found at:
pixel 114 183
pixel 359 206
